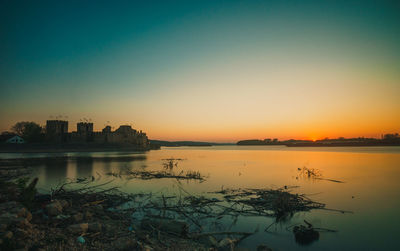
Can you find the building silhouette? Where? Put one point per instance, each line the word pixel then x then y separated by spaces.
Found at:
pixel 57 131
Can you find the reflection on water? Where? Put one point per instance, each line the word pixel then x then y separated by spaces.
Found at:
pixel 371 187
pixel 84 168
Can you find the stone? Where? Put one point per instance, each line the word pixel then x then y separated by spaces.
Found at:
pixel 124 243
pixel 8 235
pixel 3 227
pixel 78 228
pixel 54 208
pixel 7 219
pixel 22 234
pixel 78 217
pixel 22 223
pixel 13 207
pixel 23 212
pixel 95 227
pixel 8 206
pixel 88 215
pixel 64 203
pixel 147 248
pixel 110 227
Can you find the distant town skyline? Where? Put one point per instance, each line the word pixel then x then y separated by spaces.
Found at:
pixel 218 71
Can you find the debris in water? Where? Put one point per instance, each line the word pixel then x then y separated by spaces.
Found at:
pixel 307 234
pixel 312 173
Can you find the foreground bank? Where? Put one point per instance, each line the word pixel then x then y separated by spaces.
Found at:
pixel 81 215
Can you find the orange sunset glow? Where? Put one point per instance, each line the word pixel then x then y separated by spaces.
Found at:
pixel 199 125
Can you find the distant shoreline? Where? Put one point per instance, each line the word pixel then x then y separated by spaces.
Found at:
pixel 320 145
pixel 64 148
pixel 387 140
pixel 340 145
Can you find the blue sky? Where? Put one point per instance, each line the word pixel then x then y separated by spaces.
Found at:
pixel 195 69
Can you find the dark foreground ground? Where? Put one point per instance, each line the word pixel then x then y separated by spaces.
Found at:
pixel 87 218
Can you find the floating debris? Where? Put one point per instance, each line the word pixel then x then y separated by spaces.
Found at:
pixel 279 203
pixel 170 163
pixel 168 172
pixel 147 175
pixel 307 234
pixel 312 173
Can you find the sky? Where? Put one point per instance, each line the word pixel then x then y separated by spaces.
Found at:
pixel 204 70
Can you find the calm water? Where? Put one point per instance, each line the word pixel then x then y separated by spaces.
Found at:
pixel 371 189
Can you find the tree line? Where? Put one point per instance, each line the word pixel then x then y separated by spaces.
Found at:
pixel 30 131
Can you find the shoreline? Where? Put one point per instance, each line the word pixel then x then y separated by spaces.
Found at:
pixel 66 148
pixel 322 145
pixel 81 215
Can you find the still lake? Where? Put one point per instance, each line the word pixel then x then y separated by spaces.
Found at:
pixel 371 188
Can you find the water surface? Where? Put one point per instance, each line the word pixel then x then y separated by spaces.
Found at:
pixel 371 188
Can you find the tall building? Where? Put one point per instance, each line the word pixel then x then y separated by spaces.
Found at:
pixel 84 127
pixel 56 130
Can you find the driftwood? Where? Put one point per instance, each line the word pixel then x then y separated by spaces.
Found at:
pixel 168 172
pixel 312 173
pixel 170 226
pixel 147 175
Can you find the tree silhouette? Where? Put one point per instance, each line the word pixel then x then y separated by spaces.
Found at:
pixel 30 131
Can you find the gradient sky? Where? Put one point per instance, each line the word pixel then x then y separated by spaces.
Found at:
pixel 204 70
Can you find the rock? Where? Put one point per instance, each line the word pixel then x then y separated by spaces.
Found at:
pixel 23 212
pixel 22 234
pixel 124 243
pixel 64 203
pixel 95 227
pixel 7 219
pixel 22 223
pixel 77 217
pixel 78 228
pixel 9 206
pixel 3 227
pixel 8 235
pixel 54 208
pixel 13 207
pixel 263 247
pixel 62 217
pixel 88 215
pixel 110 227
pixel 147 248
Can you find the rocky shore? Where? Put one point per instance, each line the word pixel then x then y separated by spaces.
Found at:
pixel 73 221
pixel 86 219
